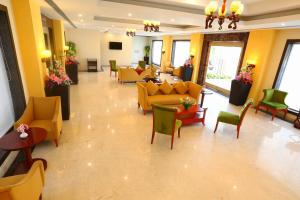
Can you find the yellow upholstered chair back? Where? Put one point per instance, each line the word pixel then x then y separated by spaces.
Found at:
pixel 44 107
pixel 24 187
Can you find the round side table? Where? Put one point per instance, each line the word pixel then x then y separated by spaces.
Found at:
pixel 12 142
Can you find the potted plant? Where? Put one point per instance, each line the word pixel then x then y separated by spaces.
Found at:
pixel 187 102
pixel 71 62
pixel 187 70
pixel 58 84
pixel 241 85
pixel 147 53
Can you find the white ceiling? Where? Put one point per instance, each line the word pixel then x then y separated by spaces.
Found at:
pixel 121 11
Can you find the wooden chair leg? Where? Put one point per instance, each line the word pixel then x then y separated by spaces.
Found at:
pixel 153 134
pixel 139 105
pixel 172 141
pixel 273 114
pixel 116 74
pixel 238 131
pixel 257 108
pixel 216 126
pixel 41 197
pixel 179 129
pixel 285 112
pixel 56 142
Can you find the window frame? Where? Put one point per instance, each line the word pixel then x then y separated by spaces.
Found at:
pixel 174 47
pixel 282 65
pixel 162 42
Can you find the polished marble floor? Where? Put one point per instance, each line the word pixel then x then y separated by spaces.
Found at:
pixel 105 152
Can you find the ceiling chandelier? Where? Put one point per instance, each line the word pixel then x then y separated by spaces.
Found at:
pixel 130 32
pixel 151 26
pixel 236 9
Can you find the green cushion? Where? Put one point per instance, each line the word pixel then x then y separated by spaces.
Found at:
pixel 228 118
pixel 277 106
pixel 279 96
pixel 113 65
pixel 164 118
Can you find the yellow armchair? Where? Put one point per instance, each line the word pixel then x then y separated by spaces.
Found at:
pixel 43 112
pixel 24 187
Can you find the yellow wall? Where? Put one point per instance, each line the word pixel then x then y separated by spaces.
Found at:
pixel 167 48
pixel 196 50
pixel 31 41
pixel 59 40
pixel 260 44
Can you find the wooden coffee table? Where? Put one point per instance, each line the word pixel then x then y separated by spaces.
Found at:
pixel 195 114
pixel 12 142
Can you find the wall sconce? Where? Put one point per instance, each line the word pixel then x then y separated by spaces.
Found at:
pixel 46 55
pixel 251 63
pixel 163 51
pixel 192 55
pixel 66 48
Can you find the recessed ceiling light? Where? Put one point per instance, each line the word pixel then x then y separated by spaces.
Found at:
pixel 172 20
pixel 81 20
pixel 129 14
pixel 79 15
pixel 282 24
pixel 112 25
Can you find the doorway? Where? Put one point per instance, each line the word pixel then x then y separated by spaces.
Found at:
pixel 223 61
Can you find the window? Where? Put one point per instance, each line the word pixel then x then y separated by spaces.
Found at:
pixel 180 52
pixel 223 63
pixel 287 78
pixel 156 51
pixel 6 106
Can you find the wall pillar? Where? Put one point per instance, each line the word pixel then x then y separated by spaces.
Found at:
pixel 196 50
pixel 167 48
pixel 29 29
pixel 259 46
pixel 59 40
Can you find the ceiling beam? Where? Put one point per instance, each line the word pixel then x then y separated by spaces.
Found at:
pixel 60 12
pixel 140 22
pixel 159 6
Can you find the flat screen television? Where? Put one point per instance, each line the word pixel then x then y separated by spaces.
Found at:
pixel 115 45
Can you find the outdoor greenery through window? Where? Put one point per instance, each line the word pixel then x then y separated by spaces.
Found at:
pixel 180 52
pixel 222 66
pixel 288 77
pixel 156 51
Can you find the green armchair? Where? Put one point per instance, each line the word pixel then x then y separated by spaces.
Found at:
pixel 113 67
pixel 142 64
pixel 234 119
pixel 273 100
pixel 165 122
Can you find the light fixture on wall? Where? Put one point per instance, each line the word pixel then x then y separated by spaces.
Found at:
pixel 130 32
pixel 163 51
pixel 236 9
pixel 151 26
pixel 250 63
pixel 45 55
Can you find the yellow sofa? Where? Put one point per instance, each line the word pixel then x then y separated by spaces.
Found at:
pixel 24 187
pixel 145 101
pixel 130 75
pixel 43 112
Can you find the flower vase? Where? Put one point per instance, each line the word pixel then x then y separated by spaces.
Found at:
pixel 186 106
pixel 23 135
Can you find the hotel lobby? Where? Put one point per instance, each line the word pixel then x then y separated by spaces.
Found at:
pixel 111 99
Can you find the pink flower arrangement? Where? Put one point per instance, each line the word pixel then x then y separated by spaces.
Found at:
pixel 22 128
pixel 71 60
pixel 246 74
pixel 188 63
pixel 57 76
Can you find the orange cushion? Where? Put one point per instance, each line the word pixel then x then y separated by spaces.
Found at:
pixel 152 88
pixel 166 88
pixel 181 88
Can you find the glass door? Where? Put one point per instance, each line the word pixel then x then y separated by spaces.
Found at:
pixel 223 63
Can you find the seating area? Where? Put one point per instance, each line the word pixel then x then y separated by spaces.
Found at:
pixel 149 100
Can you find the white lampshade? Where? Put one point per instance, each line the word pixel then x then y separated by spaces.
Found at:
pixel 236 7
pixel 211 7
pixel 220 12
